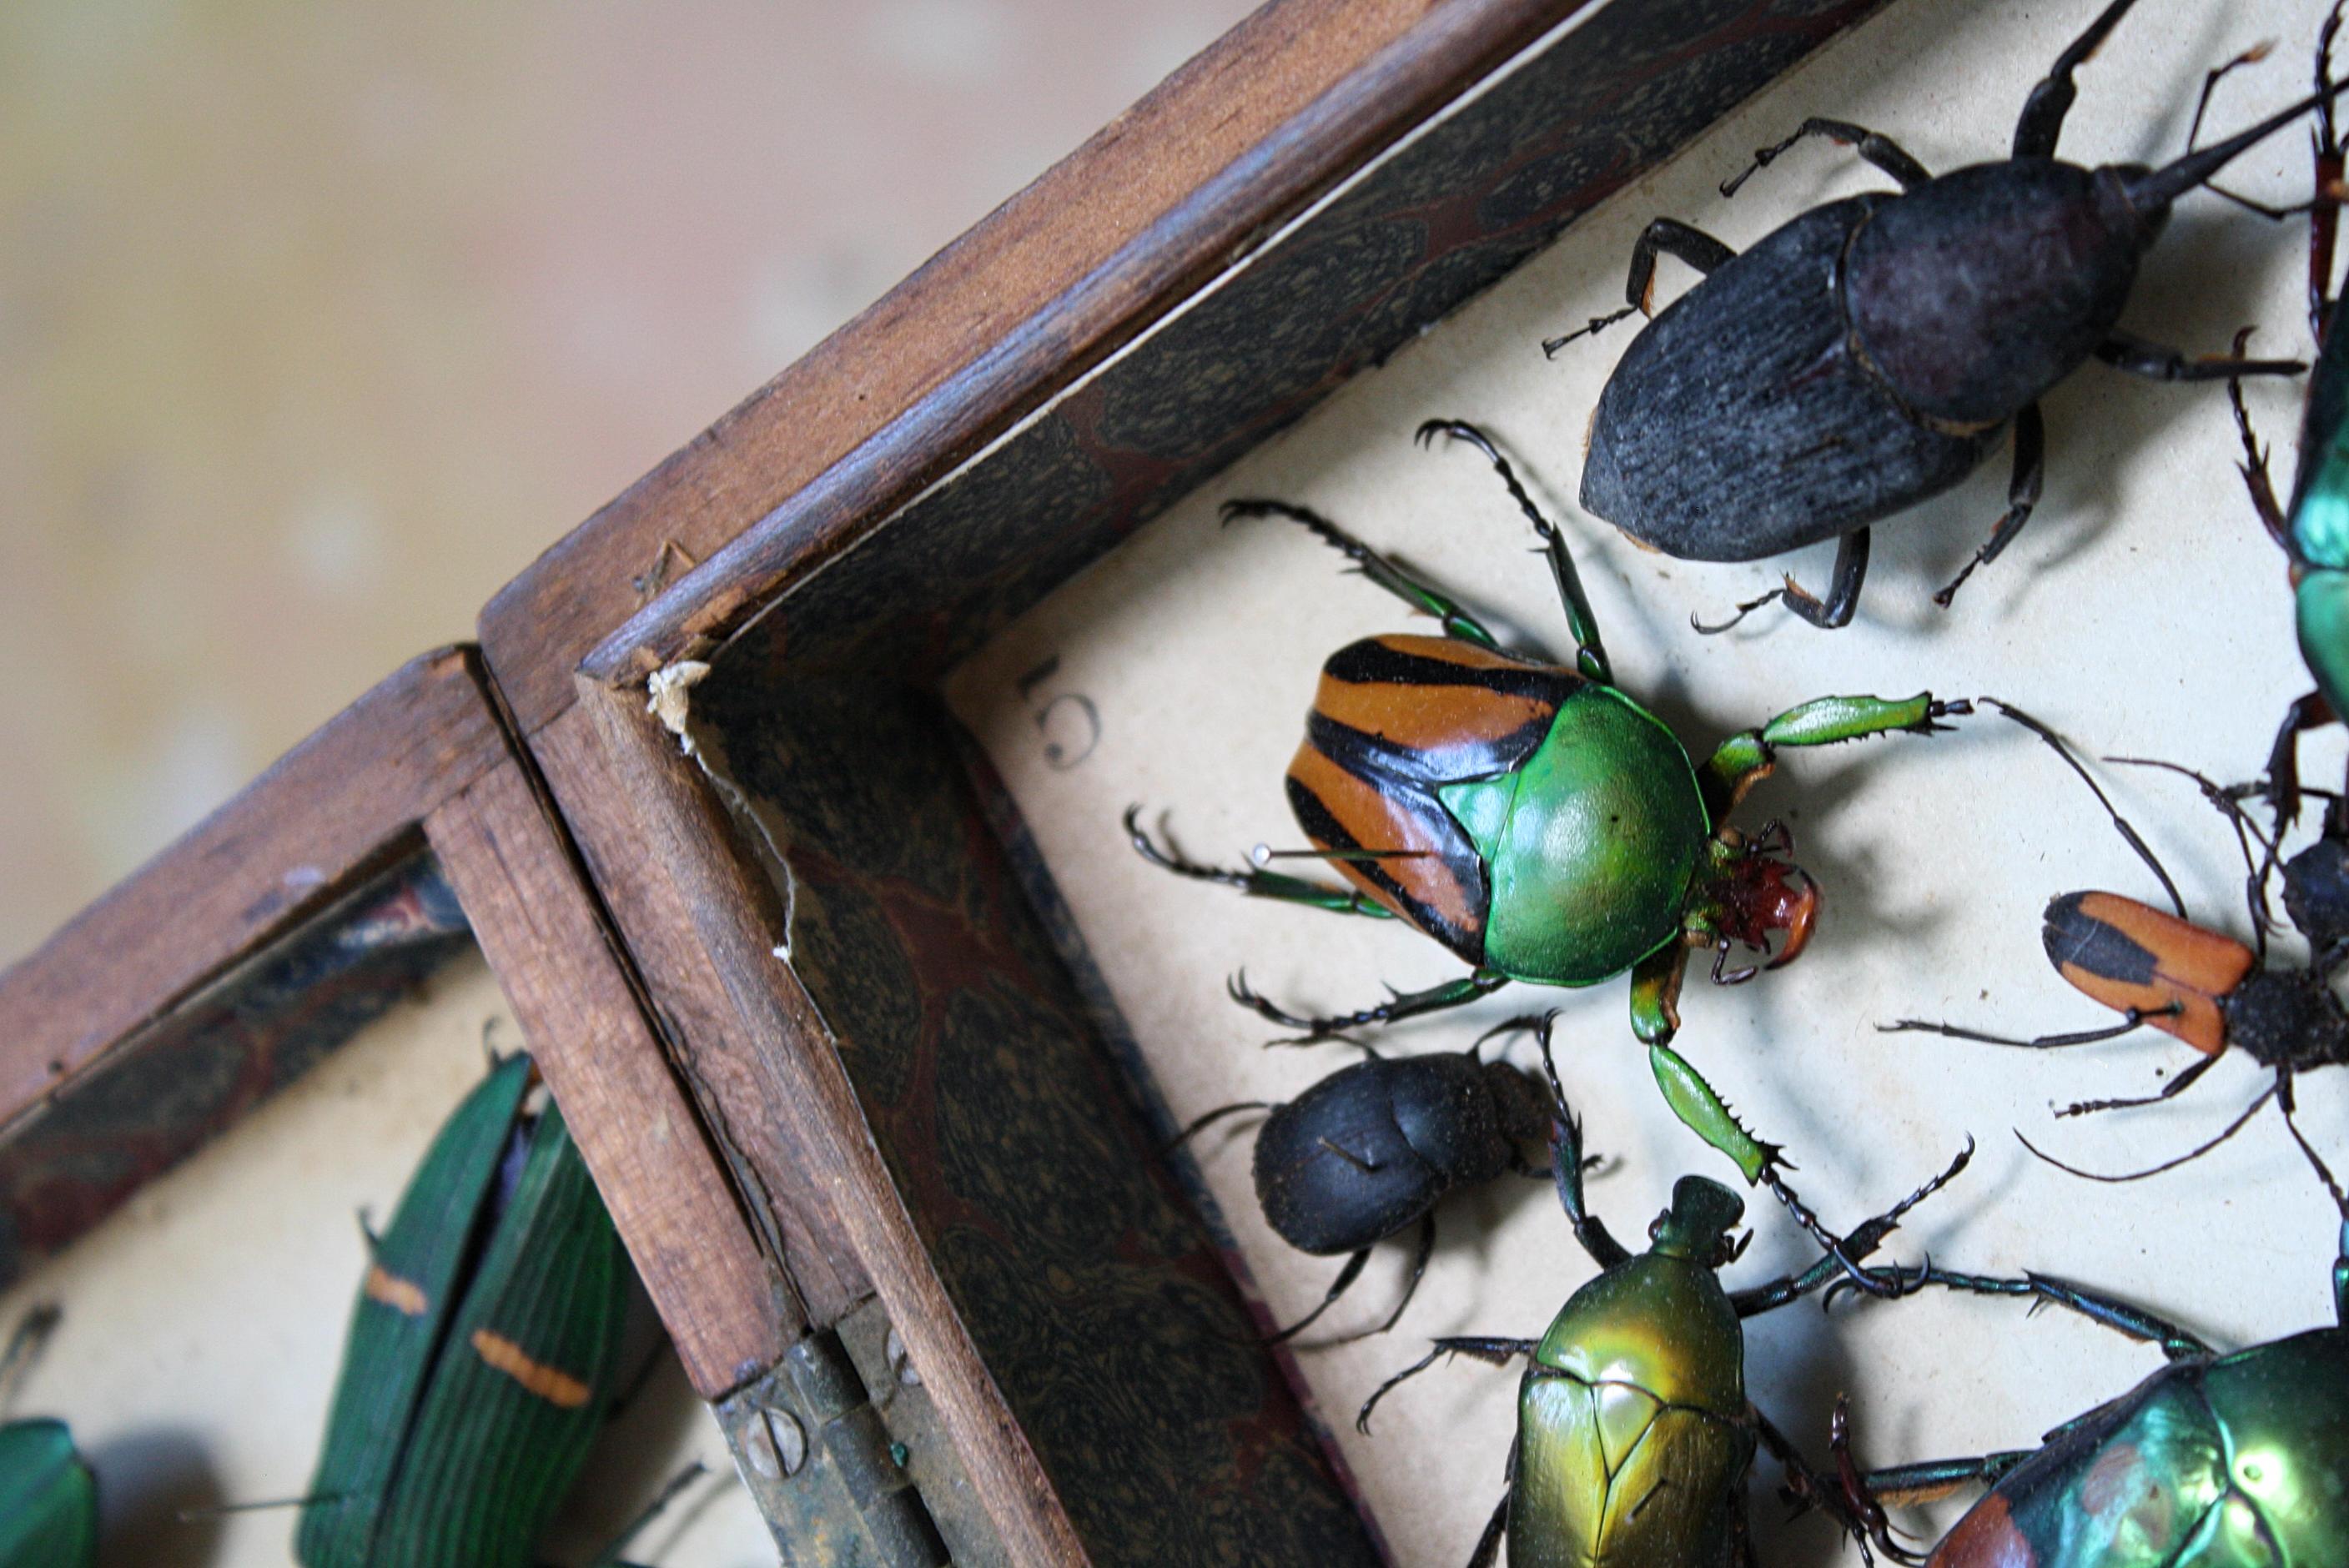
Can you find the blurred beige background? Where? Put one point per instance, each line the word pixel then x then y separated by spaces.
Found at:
pixel 318 321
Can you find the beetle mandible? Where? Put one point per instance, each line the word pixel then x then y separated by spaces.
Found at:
pixel 1534 819
pixel 1869 353
pixel 1634 1431
pixel 2216 1460
pixel 1374 1147
pixel 2201 986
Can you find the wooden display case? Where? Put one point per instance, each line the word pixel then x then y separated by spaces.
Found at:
pixel 867 1043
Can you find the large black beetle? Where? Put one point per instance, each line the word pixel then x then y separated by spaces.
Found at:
pixel 1870 353
pixel 1374 1147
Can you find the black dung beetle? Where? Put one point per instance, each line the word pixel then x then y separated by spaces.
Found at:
pixel 1869 354
pixel 1374 1147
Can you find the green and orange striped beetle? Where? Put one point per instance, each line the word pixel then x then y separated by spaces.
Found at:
pixel 2161 969
pixel 484 1350
pixel 1535 819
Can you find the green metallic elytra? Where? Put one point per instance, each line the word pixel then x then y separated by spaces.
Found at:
pixel 48 1499
pixel 1636 1394
pixel 1591 844
pixel 2321 617
pixel 2237 1461
pixel 482 1350
pixel 1634 1431
pixel 1533 816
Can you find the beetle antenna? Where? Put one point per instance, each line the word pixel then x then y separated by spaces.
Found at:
pixel 2257 869
pixel 2232 1128
pixel 2121 824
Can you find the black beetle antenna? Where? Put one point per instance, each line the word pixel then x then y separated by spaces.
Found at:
pixel 2187 1158
pixel 2120 824
pixel 2257 869
pixel 2152 192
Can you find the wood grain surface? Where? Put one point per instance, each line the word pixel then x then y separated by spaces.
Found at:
pixel 730 1315
pixel 1042 290
pixel 338 808
pixel 722 1059
pixel 736 920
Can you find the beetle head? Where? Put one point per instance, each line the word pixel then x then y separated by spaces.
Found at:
pixel 1698 1224
pixel 1758 893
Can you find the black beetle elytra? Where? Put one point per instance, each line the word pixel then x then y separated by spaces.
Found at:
pixel 1869 354
pixel 1374 1147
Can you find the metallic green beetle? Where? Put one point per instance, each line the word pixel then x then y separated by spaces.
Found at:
pixel 1534 819
pixel 482 1353
pixel 1634 1431
pixel 48 1497
pixel 2217 1460
pixel 2314 529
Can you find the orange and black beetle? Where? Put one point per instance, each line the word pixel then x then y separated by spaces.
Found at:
pixel 2156 968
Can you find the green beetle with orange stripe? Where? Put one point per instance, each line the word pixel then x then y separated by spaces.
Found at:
pixel 482 1353
pixel 1534 819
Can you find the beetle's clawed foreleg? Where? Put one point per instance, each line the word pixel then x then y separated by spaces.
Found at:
pixel 1596 324
pixel 1880 151
pixel 1400 1004
pixel 2021 498
pixel 1845 1497
pixel 1499 1351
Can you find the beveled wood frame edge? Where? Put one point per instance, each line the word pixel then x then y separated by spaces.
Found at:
pixel 1251 130
pixel 738 923
pixel 729 1313
pixel 344 804
pixel 424 759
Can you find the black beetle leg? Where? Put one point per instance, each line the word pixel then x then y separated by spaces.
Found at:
pixel 2309 712
pixel 2254 465
pixel 1830 613
pixel 1880 151
pixel 1864 1239
pixel 1401 1004
pixel 2043 113
pixel 1673 238
pixel 2045 1290
pixel 1420 1254
pixel 1488 1544
pixel 1211 1118
pixel 2160 362
pixel 2022 496
pixel 2133 1019
pixel 1484 1348
pixel 2171 1090
pixel 1338 1287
